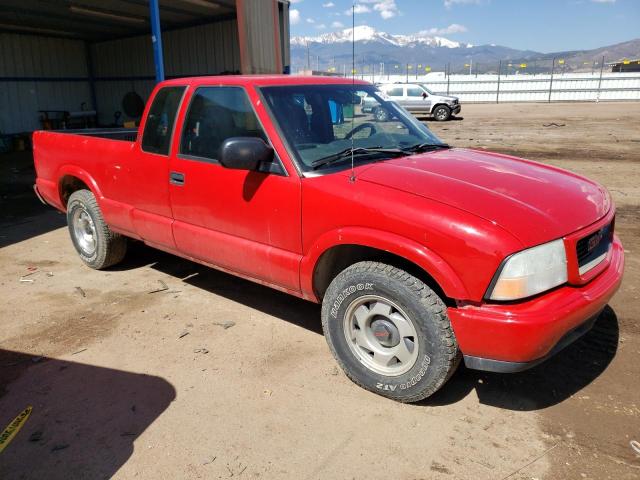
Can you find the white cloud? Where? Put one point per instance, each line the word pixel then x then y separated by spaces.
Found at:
pixel 321 26
pixel 387 14
pixel 329 5
pixel 450 3
pixel 310 20
pixel 386 8
pixel 295 1
pixel 453 28
pixel 603 1
pixel 337 25
pixel 359 8
pixel 294 16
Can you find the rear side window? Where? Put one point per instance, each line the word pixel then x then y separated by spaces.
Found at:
pixel 216 114
pixel 162 116
pixel 395 92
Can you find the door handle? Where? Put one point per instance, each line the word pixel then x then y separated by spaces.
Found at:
pixel 176 178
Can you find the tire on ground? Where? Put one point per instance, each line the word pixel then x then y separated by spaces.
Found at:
pixel 442 113
pixel 381 115
pixel 438 354
pixel 110 247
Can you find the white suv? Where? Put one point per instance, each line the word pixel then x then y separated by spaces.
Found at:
pixel 417 99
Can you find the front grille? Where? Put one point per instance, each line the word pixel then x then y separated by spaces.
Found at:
pixel 594 245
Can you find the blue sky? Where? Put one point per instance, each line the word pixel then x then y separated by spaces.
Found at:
pixel 541 25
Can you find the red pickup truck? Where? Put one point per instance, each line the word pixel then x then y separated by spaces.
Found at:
pixel 421 254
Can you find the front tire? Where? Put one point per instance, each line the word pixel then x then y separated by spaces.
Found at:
pixel 442 113
pixel 94 241
pixel 389 331
pixel 381 115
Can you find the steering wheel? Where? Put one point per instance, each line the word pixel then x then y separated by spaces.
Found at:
pixel 362 126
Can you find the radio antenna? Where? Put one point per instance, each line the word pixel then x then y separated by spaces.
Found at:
pixel 353 84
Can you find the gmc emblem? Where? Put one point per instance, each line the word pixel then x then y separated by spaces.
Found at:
pixel 595 240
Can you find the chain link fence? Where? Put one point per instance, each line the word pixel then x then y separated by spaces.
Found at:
pixel 538 80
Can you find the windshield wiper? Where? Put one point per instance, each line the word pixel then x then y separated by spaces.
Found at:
pixel 425 147
pixel 336 157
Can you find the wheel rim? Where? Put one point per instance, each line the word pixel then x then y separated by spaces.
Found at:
pixel 381 335
pixel 84 231
pixel 441 114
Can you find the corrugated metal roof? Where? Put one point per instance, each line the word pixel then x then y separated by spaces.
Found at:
pixel 96 20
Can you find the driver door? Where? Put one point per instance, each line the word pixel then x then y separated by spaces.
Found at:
pixel 247 222
pixel 417 99
pixel 395 93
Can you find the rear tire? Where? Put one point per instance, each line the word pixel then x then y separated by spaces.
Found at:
pixel 442 113
pixel 92 238
pixel 389 331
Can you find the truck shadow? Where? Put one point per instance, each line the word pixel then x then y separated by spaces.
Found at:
pixel 431 119
pixel 542 386
pixel 85 419
pixel 545 385
pixel 267 300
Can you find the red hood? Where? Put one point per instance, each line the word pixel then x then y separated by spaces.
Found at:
pixel 534 202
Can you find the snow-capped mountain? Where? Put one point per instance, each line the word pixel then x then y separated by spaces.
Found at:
pixel 334 49
pixel 367 34
pixel 373 47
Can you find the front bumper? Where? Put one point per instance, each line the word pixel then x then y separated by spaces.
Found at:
pixel 516 336
pixel 35 190
pixel 456 110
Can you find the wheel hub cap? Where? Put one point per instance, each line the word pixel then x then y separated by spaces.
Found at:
pixel 385 332
pixel 84 231
pixel 381 335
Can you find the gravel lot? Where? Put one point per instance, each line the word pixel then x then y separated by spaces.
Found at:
pixel 161 368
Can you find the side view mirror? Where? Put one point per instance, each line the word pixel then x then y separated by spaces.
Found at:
pixel 244 153
pixel 424 95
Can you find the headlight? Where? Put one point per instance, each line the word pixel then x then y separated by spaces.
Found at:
pixel 531 271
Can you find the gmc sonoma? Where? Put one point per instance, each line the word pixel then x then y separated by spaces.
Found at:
pixel 422 255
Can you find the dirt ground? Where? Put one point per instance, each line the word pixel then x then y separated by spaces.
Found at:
pixel 161 368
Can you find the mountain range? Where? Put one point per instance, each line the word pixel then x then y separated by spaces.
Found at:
pixel 373 47
pixel 366 34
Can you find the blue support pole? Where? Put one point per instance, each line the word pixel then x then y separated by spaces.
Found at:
pixel 156 39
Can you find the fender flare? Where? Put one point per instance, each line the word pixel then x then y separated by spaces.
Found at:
pixel 403 247
pixel 69 170
pixel 441 104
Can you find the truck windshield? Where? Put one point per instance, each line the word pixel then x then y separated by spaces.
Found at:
pixel 430 92
pixel 321 122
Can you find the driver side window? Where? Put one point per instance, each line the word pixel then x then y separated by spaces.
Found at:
pixel 395 92
pixel 216 114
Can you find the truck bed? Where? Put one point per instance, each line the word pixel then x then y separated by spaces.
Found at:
pixel 95 156
pixel 123 134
